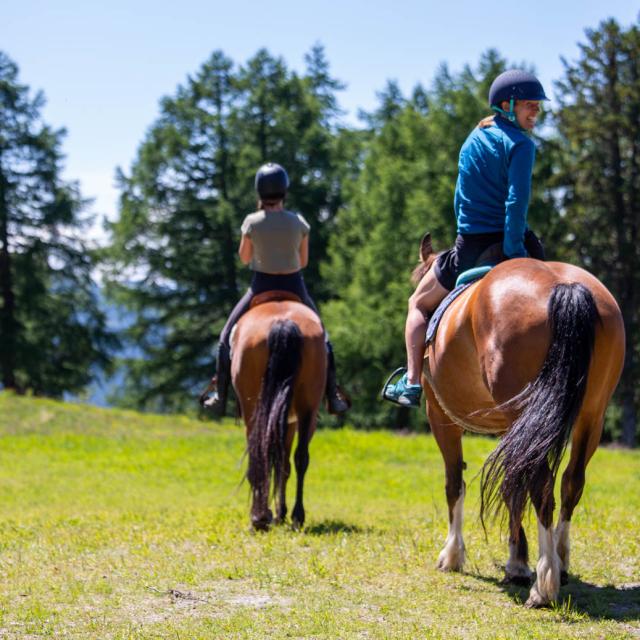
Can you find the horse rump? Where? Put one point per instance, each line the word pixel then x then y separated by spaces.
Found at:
pixel 531 450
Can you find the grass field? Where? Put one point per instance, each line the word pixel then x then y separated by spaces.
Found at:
pixel 119 525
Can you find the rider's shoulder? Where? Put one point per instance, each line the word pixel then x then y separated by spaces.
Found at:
pixel 301 219
pixel 256 215
pixel 511 133
pixel 297 218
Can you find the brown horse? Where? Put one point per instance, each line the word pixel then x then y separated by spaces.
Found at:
pixel 532 352
pixel 278 371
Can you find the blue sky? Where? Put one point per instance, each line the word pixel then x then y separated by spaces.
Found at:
pixel 104 66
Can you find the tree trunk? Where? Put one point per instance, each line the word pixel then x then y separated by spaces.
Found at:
pixel 8 327
pixel 228 242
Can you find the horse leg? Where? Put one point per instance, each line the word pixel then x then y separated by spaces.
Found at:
pixel 517 569
pixel 449 439
pixel 547 585
pixel 258 467
pixel 301 458
pixel 281 502
pixel 583 445
pixel 258 475
pixel 261 516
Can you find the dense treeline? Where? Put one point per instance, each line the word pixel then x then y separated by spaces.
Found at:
pixel 52 332
pixel 369 192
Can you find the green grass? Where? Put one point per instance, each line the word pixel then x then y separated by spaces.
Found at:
pixel 120 525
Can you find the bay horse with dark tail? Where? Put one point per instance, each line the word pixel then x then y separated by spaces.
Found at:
pixel 278 371
pixel 532 352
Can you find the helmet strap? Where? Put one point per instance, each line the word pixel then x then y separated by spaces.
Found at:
pixel 509 115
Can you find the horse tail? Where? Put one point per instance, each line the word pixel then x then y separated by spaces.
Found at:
pixel 547 407
pixel 267 438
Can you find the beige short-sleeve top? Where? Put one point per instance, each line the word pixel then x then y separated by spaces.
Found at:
pixel 276 238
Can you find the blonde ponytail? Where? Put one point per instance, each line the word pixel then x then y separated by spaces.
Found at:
pixel 486 122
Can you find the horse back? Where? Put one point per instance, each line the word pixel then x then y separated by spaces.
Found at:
pixel 250 353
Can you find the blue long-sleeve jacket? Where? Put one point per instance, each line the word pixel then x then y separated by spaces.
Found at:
pixel 494 183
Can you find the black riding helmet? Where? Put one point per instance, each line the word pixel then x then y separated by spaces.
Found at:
pixel 513 85
pixel 272 182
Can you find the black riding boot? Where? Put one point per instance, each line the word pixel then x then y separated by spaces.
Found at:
pixel 218 401
pixel 337 402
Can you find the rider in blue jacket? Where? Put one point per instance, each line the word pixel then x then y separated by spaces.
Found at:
pixel 490 203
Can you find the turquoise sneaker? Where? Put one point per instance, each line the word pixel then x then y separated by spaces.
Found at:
pixel 402 393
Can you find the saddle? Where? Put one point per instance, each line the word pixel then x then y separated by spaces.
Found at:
pixel 276 295
pixel 488 259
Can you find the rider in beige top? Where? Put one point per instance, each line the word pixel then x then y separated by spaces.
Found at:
pixel 275 246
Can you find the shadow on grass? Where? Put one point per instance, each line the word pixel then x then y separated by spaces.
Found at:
pixel 598 602
pixel 331 527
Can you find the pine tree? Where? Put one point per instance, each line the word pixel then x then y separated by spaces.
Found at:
pixel 52 332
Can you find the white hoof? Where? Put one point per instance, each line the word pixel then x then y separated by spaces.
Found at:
pixel 535 600
pixel 451 558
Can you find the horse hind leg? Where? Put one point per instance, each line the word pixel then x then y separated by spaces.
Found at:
pixel 281 498
pixel 517 570
pixel 301 458
pixel 547 585
pixel 586 436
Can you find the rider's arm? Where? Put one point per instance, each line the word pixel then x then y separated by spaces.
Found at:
pixel 245 251
pixel 515 224
pixel 304 252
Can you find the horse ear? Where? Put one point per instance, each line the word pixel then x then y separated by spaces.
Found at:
pixel 426 249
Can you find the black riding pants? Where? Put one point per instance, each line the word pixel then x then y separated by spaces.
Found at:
pixel 469 247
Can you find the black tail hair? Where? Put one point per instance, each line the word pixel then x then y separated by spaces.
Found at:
pixel 266 445
pixel 547 407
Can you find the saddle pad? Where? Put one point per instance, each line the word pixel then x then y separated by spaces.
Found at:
pixel 465 279
pixel 441 308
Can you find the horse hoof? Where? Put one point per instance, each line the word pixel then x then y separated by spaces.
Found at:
pixel 536 602
pixel 262 523
pixel 564 577
pixel 519 581
pixel 297 517
pixel 451 558
pixel 448 567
